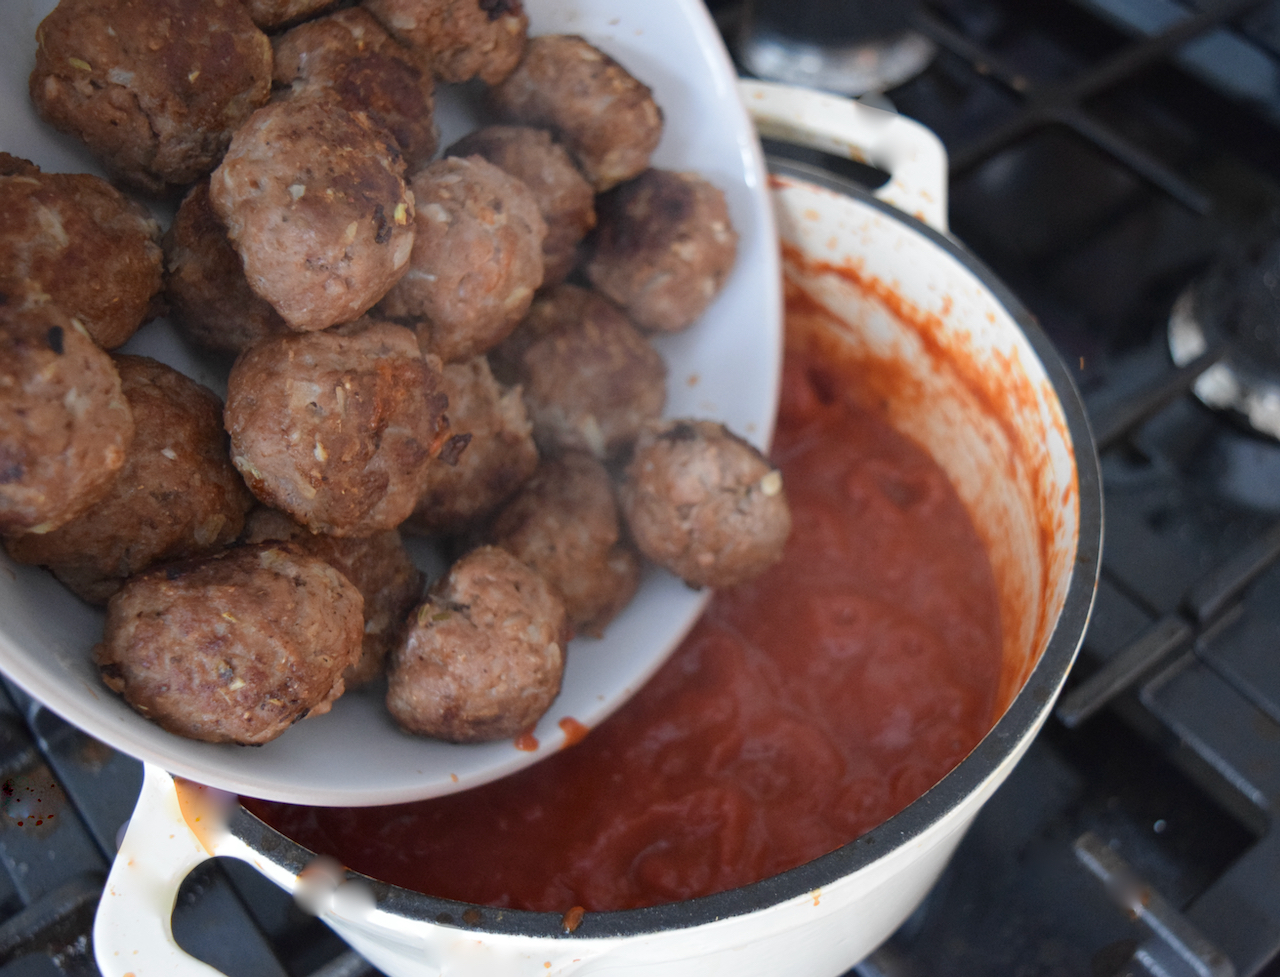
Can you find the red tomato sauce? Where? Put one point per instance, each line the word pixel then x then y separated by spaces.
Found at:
pixel 804 708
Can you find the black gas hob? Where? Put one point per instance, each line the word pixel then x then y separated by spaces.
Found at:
pixel 1108 156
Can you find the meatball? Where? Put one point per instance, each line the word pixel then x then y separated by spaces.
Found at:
pixel 482 658
pixel 477 258
pixel 76 241
pixel 378 566
pixel 208 294
pixel 270 14
pixel 564 524
pixel 565 199
pixel 233 648
pixel 663 248
pixel 605 117
pixel 497 460
pixel 705 504
pixel 176 496
pixel 591 381
pixel 65 425
pixel 462 39
pixel 336 430
pixel 314 200
pixel 349 54
pixel 155 89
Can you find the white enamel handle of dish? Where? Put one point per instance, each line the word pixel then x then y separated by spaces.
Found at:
pixel 912 155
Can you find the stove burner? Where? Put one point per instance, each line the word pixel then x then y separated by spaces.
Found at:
pixel 1236 306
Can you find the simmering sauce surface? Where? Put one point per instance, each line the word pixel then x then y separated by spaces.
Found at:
pixel 803 709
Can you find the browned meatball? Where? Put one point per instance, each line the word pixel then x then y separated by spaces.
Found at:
pixel 498 458
pixel 154 87
pixel 209 297
pixel 663 249
pixel 270 14
pixel 565 199
pixel 463 39
pixel 483 656
pixel 564 524
pixel 349 54
pixel 591 381
pixel 314 200
pixel 705 504
pixel 74 240
pixel 233 648
pixel 64 423
pixel 176 496
pixel 336 430
pixel 477 258
pixel 605 117
pixel 378 566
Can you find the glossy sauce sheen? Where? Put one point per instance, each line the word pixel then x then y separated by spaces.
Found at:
pixel 803 709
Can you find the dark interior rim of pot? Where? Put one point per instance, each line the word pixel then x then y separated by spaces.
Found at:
pixel 1028 707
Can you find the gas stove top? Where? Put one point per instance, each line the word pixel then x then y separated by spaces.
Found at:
pixel 1106 155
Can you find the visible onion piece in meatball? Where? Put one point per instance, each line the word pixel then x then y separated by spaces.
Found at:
pixel 176 496
pixel 605 117
pixel 314 201
pixel 154 89
pixel 378 566
pixel 477 258
pixel 663 248
pixel 564 524
pixel 565 199
pixel 349 54
pixel 273 14
pixel 337 430
pixel 233 648
pixel 65 424
pixel 74 240
pixel 209 297
pixel 591 381
pixel 482 658
pixel 462 39
pixel 499 456
pixel 704 503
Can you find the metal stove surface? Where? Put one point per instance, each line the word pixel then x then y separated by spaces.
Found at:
pixel 1104 153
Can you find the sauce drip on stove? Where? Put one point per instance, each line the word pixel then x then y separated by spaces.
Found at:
pixel 805 707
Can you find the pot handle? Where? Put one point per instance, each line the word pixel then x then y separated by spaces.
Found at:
pixel 132 932
pixel 912 155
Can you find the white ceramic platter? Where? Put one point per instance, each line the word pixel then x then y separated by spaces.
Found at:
pixel 726 367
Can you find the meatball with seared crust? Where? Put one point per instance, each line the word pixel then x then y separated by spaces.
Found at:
pixel 605 117
pixel 76 241
pixel 209 297
pixel 232 648
pixel 482 658
pixel 663 248
pixel 705 504
pixel 315 202
pixel 565 199
pixel 155 88
pixel 564 524
pixel 477 258
pixel 462 39
pixel 498 458
pixel 176 496
pixel 336 430
pixel 272 14
pixel 378 566
pixel 349 54
pixel 65 424
pixel 591 380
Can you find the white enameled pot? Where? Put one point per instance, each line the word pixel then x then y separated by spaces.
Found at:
pixel 981 388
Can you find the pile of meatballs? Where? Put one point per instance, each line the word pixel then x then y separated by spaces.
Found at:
pixel 454 346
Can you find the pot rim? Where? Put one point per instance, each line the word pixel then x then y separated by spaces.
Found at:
pixel 1024 715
